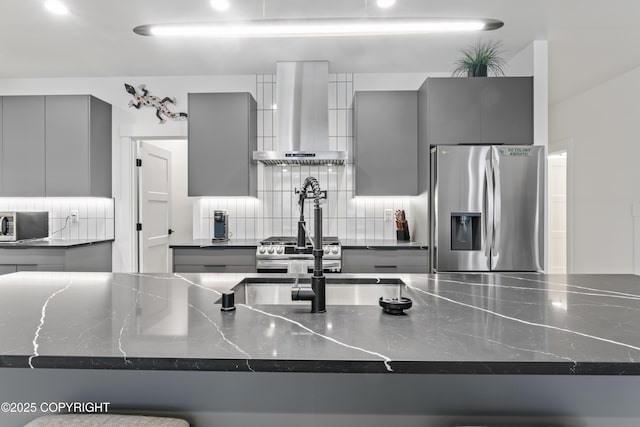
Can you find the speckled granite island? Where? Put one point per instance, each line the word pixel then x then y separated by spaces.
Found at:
pixel 463 329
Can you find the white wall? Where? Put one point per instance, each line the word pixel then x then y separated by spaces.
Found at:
pixel 603 123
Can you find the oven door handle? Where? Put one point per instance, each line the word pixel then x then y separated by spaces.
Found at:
pixel 283 263
pixel 4 226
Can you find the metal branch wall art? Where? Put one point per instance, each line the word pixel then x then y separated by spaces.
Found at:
pixel 144 99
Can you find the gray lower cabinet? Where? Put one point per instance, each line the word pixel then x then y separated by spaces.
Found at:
pixel 214 260
pixel 23 149
pixel 8 268
pixel 94 257
pixel 55 146
pixel 495 110
pixel 385 261
pixel 78 146
pixel 386 143
pixel 223 135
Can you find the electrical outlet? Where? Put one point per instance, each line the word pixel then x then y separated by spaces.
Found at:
pixel 388 215
pixel 74 217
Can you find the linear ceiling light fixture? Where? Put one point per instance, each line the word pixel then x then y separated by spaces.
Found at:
pixel 56 7
pixel 220 4
pixel 319 27
pixel 385 4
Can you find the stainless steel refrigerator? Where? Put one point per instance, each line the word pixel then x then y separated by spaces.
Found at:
pixel 487 208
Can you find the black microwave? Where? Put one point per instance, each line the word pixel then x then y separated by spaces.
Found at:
pixel 23 225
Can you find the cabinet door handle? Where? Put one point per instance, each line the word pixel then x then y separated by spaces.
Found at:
pixel 385 266
pixel 216 265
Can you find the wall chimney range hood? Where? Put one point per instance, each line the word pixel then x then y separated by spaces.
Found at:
pixel 302 91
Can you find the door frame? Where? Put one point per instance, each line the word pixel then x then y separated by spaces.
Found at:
pixel 134 200
pixel 140 198
pixel 566 145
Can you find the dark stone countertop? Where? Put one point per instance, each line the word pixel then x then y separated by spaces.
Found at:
pixel 346 244
pixel 51 243
pixel 207 243
pixel 460 324
pixel 381 244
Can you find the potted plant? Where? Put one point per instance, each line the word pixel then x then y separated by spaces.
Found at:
pixel 481 59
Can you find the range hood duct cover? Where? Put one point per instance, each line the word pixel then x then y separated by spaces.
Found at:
pixel 303 117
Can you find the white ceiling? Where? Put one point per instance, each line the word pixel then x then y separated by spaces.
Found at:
pixel 590 41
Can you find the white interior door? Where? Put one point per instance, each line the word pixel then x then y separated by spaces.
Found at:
pixel 154 208
pixel 558 213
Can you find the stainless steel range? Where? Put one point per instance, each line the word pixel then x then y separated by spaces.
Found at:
pixel 273 254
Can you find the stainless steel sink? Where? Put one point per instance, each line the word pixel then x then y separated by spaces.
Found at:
pixel 277 291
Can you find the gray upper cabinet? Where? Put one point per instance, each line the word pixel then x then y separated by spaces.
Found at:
pixel 222 138
pixel 453 110
pixel 78 146
pixel 55 146
pixel 386 143
pixel 507 110
pixel 496 110
pixel 23 149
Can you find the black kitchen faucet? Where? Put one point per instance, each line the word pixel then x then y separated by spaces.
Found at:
pixel 317 293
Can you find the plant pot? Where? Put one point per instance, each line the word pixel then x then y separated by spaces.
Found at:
pixel 477 70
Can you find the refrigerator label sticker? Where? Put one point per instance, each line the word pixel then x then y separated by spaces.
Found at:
pixel 514 151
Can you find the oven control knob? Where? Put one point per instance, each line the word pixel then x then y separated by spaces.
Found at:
pixel 334 251
pixel 279 249
pixel 271 250
pixel 326 249
pixel 262 249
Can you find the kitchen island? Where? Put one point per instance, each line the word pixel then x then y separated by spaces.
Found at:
pixel 493 344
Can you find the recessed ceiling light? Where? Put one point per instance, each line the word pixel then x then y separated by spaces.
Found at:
pixel 56 7
pixel 220 4
pixel 319 27
pixel 384 4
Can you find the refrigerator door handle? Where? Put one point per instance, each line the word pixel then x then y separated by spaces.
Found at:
pixel 488 209
pixel 497 204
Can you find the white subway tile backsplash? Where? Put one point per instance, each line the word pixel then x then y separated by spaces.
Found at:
pixel 267 123
pixel 269 98
pixel 261 123
pixel 370 208
pixel 333 94
pixel 379 228
pixel 90 210
pixel 351 229
pixel 92 229
pixel 360 227
pixel 250 230
pixel 333 122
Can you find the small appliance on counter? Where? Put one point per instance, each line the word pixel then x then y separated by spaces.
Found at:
pixel 402 228
pixel 16 226
pixel 220 226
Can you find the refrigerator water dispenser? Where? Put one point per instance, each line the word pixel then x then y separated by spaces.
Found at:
pixel 466 233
